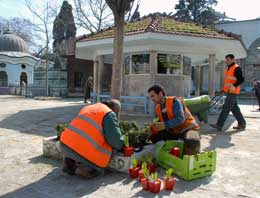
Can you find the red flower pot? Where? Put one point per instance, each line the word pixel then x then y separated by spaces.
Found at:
pixel 155 187
pixel 128 151
pixel 152 168
pixel 141 175
pixel 145 184
pixel 168 183
pixel 133 172
pixel 175 151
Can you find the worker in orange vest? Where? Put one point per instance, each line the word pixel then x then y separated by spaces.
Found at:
pixel 88 141
pixel 233 79
pixel 175 121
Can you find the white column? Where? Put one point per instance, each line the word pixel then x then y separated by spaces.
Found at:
pixel 95 78
pixel 100 60
pixel 153 65
pixel 222 73
pixel 212 74
pixel 198 77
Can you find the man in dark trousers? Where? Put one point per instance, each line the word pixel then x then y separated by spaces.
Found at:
pixel 175 121
pixel 88 141
pixel 233 79
pixel 88 88
pixel 256 84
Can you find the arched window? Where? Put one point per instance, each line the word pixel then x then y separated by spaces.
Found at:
pixel 23 78
pixel 3 79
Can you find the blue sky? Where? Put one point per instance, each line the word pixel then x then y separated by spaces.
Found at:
pixel 239 9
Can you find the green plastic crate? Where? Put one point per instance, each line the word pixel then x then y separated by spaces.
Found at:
pixel 188 167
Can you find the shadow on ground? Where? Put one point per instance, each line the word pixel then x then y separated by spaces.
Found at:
pixel 40 121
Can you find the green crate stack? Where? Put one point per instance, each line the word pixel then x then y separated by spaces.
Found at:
pixel 188 167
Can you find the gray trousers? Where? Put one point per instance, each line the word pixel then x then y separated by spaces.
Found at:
pixel 231 105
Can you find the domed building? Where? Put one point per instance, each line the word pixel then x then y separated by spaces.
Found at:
pixel 16 62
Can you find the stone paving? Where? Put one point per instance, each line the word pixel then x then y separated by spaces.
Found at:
pixel 24 173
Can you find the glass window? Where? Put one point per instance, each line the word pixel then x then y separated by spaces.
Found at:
pixel 169 64
pixel 141 64
pixel 78 79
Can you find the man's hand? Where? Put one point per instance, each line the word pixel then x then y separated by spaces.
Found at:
pixel 159 126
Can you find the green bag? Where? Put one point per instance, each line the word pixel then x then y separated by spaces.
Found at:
pixel 188 167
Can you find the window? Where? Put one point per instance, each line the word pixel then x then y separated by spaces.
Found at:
pixel 78 79
pixel 141 64
pixel 169 64
pixel 2 65
pixel 23 66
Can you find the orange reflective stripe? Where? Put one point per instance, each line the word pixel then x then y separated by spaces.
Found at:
pixel 89 139
pixel 85 135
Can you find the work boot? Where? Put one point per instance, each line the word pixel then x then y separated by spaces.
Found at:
pixel 240 127
pixel 215 126
pixel 69 166
pixel 86 172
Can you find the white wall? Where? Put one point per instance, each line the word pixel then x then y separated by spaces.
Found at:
pixel 14 72
pixel 249 30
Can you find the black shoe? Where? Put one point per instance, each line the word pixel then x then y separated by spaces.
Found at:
pixel 216 127
pixel 239 127
pixel 69 166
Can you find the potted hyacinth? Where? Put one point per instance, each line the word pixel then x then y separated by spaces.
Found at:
pixel 151 165
pixel 141 172
pixel 154 183
pixel 128 151
pixel 168 180
pixel 145 180
pixel 134 169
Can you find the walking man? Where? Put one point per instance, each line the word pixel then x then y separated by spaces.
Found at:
pixel 256 84
pixel 233 79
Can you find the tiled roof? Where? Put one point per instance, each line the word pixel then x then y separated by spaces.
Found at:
pixel 161 24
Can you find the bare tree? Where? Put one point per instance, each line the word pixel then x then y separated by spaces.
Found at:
pixel 95 15
pixel 92 15
pixel 23 28
pixel 44 13
pixel 119 9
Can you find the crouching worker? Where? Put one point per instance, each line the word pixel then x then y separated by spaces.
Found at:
pixel 175 121
pixel 88 141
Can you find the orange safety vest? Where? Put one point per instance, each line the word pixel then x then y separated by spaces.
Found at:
pixel 189 123
pixel 230 79
pixel 85 136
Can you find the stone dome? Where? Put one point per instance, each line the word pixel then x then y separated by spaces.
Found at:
pixel 12 43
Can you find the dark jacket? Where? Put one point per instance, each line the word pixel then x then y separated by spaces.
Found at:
pixel 238 74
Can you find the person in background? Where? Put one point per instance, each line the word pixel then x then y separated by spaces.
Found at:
pixel 88 89
pixel 233 79
pixel 256 89
pixel 88 141
pixel 175 121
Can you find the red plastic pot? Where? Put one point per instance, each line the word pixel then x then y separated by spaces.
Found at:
pixel 152 168
pixel 128 151
pixel 141 175
pixel 175 151
pixel 168 183
pixel 155 187
pixel 133 172
pixel 145 184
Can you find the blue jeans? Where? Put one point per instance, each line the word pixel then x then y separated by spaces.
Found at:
pixel 231 105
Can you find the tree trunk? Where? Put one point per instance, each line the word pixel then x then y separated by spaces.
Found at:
pixel 118 57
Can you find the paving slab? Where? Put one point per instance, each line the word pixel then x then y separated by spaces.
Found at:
pixel 25 173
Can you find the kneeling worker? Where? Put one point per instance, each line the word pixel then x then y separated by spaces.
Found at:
pixel 88 141
pixel 176 122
